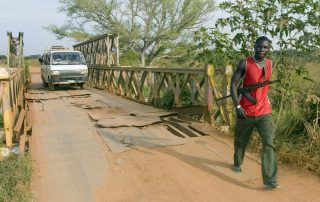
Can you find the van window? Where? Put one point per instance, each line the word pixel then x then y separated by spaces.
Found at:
pixel 67 58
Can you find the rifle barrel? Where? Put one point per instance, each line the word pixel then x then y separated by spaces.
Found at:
pixel 224 97
pixel 249 88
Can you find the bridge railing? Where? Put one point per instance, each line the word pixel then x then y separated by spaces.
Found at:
pixel 103 49
pixel 187 91
pixel 12 86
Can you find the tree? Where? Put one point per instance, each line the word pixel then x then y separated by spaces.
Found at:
pixel 149 27
pixel 293 24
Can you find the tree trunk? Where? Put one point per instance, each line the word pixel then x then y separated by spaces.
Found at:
pixel 142 59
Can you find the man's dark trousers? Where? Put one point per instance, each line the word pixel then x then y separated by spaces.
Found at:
pixel 265 127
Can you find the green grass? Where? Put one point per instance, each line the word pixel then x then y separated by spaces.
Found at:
pixel 15 179
pixel 313 69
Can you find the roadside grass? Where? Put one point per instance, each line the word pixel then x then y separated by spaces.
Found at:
pixel 314 70
pixel 298 130
pixel 15 179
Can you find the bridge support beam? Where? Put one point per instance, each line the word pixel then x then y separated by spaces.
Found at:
pixel 7 113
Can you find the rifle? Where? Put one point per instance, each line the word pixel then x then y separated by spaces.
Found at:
pixel 245 91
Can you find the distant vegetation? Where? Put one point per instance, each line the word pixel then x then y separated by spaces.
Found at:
pixel 32 60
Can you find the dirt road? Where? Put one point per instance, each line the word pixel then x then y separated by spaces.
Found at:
pixel 74 162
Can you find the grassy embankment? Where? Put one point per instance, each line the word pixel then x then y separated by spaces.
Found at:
pixel 15 179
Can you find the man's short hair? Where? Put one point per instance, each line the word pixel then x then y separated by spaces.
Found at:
pixel 262 38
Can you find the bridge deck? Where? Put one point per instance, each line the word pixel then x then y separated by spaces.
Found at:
pixel 88 145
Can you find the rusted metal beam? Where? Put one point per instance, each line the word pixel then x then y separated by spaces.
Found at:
pixel 199 71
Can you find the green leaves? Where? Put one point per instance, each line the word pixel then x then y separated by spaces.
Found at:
pixel 214 47
pixel 145 26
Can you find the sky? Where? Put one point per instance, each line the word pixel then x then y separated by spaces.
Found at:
pixel 30 17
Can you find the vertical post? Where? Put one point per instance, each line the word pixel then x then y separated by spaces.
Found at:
pixel 118 63
pixel 7 114
pixel 108 51
pixel 21 58
pixel 9 34
pixel 209 71
pixel 229 102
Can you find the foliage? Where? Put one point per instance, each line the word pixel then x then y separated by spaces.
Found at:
pixel 177 56
pixel 149 27
pixel 165 101
pixel 214 47
pixel 15 179
pixel 130 58
pixel 304 150
pixel 166 98
pixel 293 24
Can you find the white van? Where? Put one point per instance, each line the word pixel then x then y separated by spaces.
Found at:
pixel 62 66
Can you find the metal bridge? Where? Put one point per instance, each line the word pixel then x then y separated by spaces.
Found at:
pixel 187 91
pixel 192 91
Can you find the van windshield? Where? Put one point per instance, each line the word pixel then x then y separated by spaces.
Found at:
pixel 67 58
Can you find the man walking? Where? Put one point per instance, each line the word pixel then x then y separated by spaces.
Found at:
pixel 255 114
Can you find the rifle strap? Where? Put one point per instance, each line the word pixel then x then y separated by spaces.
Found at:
pixel 264 70
pixel 264 66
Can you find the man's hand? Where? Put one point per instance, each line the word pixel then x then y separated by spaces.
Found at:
pixel 241 113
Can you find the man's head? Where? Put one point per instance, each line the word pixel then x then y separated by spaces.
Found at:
pixel 261 47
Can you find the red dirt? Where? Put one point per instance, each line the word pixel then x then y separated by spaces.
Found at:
pixel 72 163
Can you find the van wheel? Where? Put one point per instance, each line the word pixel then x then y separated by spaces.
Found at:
pixel 81 86
pixel 51 86
pixel 45 84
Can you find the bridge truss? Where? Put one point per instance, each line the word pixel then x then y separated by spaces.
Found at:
pixel 188 91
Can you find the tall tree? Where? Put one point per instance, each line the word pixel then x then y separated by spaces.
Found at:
pixel 147 26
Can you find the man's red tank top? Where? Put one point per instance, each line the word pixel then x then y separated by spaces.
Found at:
pixel 255 74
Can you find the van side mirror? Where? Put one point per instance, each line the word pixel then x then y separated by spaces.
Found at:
pixel 40 60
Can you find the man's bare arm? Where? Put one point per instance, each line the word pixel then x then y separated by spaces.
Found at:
pixel 237 76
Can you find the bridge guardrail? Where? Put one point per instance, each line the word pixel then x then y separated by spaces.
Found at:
pixel 190 91
pixel 193 91
pixel 12 84
pixel 12 87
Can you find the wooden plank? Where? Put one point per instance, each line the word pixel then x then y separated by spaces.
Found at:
pixel 126 121
pixel 189 110
pixel 19 123
pixel 126 138
pixel 22 143
pixel 1 91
